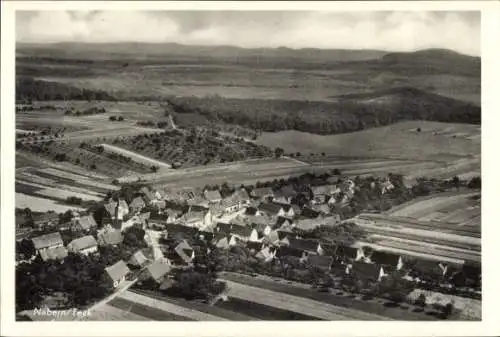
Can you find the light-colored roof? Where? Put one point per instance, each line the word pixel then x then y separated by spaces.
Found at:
pixel 111 207
pixel 112 237
pixel 307 224
pixel 138 258
pixel 58 253
pixel 181 249
pixel 117 271
pixel 82 243
pixel 137 202
pixel 87 222
pixel 324 190
pixel 212 195
pixel 240 195
pixel 262 192
pixel 47 240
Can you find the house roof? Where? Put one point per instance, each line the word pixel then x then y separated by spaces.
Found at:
pixel 138 258
pixel 47 240
pixel 262 192
pixel 259 227
pixel 284 233
pixel 158 269
pixel 193 216
pixel 323 208
pixel 229 202
pixel 366 270
pixel 286 191
pixel 271 237
pixel 347 252
pixel 305 245
pixel 45 217
pixel 251 210
pixel 288 251
pixel 306 224
pixel 322 262
pixel 184 251
pixel 385 258
pixel 242 231
pixel 323 190
pixel 162 204
pixel 309 213
pixel 148 194
pixel 212 195
pixel 173 229
pixel 137 202
pixel 240 195
pixel 329 249
pixel 117 271
pixel 111 237
pixel 111 207
pixel 82 243
pixel 21 219
pixel 256 246
pixel 208 236
pixel 224 227
pixel 87 222
pixel 58 253
pixel 270 208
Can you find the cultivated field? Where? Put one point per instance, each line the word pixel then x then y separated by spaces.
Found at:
pixel 41 204
pixel 136 157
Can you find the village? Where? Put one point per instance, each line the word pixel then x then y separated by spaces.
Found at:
pixel 313 230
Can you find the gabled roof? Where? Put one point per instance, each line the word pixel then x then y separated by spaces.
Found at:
pixel 47 240
pixel 323 208
pixel 242 231
pixel 162 204
pixel 288 251
pixel 173 229
pixel 148 194
pixel 193 216
pixel 240 195
pixel 256 246
pixel 329 249
pixel 229 202
pixel 305 245
pixel 284 233
pixel 271 237
pixel 111 237
pixel 158 269
pixel 82 243
pixel 207 236
pixel 322 262
pixel 385 258
pixel 184 251
pixel 323 190
pixel 270 208
pixel 262 192
pixel 137 202
pixel 138 259
pixel 87 222
pixel 212 195
pixel 309 213
pixel 117 271
pixel 366 270
pixel 58 253
pixel 347 252
pixel 223 227
pixel 286 191
pixel 306 224
pixel 110 207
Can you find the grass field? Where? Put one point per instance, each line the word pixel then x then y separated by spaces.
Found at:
pixel 401 140
pixel 40 204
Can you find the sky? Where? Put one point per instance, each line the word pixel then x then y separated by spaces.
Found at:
pixel 391 31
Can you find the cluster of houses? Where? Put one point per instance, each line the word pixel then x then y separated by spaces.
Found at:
pixel 263 220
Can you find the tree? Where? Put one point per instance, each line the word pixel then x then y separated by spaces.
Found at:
pixel 297 154
pixel 120 119
pixel 278 152
pixel 112 118
pixel 475 182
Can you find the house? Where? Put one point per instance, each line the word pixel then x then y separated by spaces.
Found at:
pixel 289 211
pixel 179 230
pixel 309 213
pixel 306 224
pixel 156 271
pixel 254 246
pixel 147 195
pixel 252 211
pixel 321 262
pixel 241 196
pixel 138 259
pixel 323 209
pixel 110 237
pixel 322 194
pixel 85 245
pixel 422 269
pixel 386 259
pixel 57 253
pixel 282 222
pixel 222 241
pixel 272 238
pixel 85 223
pixel 285 195
pixel 230 206
pixel 196 217
pixel 137 204
pixel 308 246
pixel 271 209
pixel 160 206
pixel 117 272
pixel 116 209
pixel 262 193
pixel 245 233
pixel 366 271
pixel 266 254
pixel 285 252
pixel 45 241
pixel 45 219
pixel 137 220
pixel 212 196
pixel 327 249
pixel 261 225
pixel 185 252
pixel 111 208
pixel 347 253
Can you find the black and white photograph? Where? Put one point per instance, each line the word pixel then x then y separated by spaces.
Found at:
pixel 247 165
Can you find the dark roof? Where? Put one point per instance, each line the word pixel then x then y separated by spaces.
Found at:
pixel 251 210
pixel 284 234
pixel 269 207
pixel 240 195
pixel 87 222
pixel 21 219
pixel 385 258
pixel 322 262
pixel 212 195
pixel 329 249
pixel 173 229
pixel 82 243
pixel 157 270
pixel 58 253
pixel 208 236
pixel 366 270
pixel 47 240
pixel 262 192
pixel 118 270
pixel 242 231
pixel 305 245
pixel 224 227
pixel 288 251
pixel 471 269
pixel 45 217
pixel 286 191
pixel 347 252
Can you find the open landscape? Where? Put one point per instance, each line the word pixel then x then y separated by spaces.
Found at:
pixel 185 182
